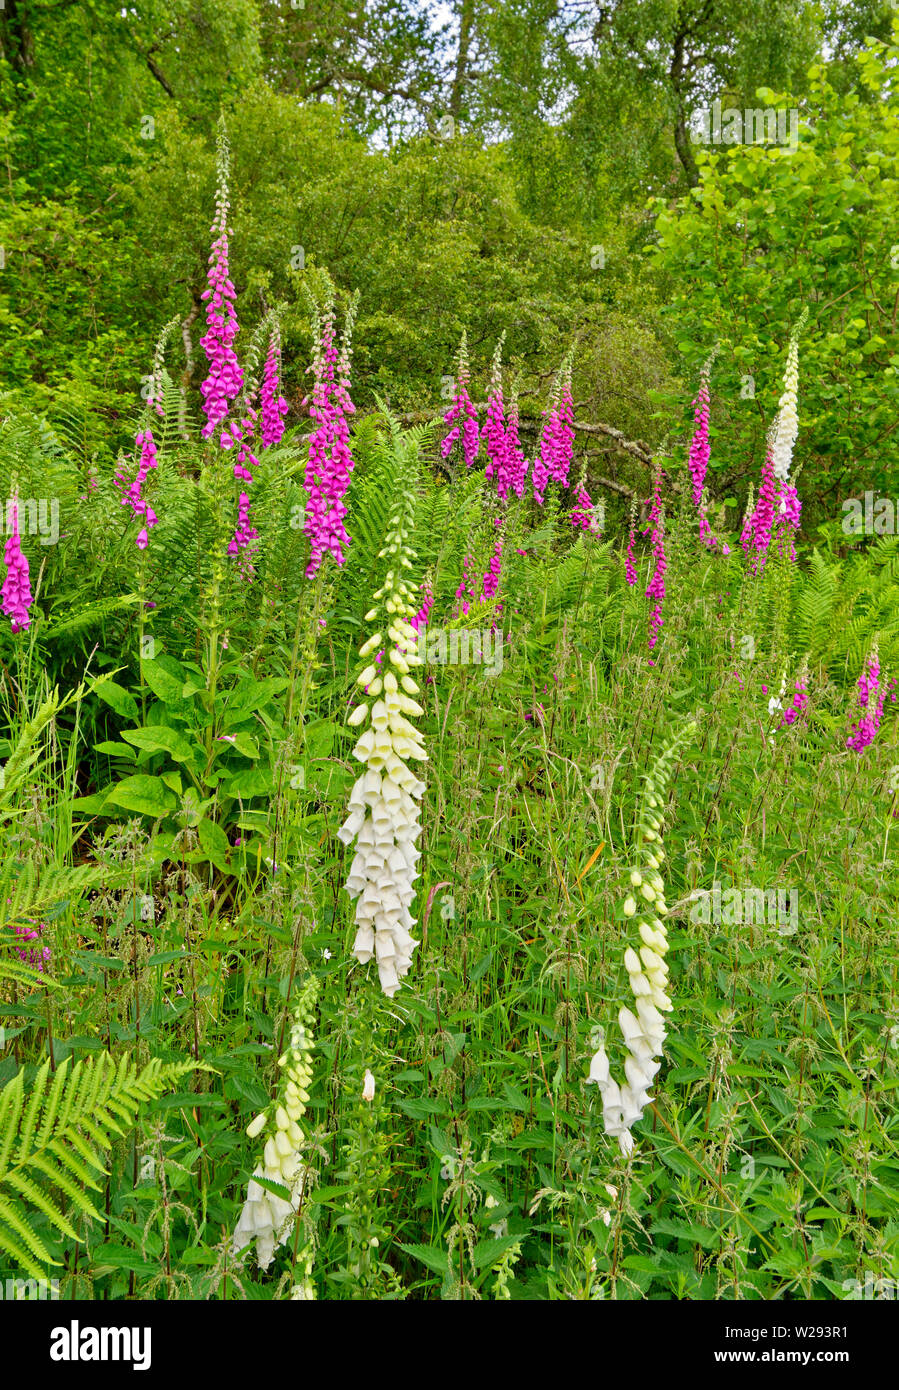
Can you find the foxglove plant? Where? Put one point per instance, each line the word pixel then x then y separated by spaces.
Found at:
pixel 16 591
pixel 747 532
pixel 777 496
pixel 383 804
pixel 700 450
pixel 582 513
pixel 225 377
pixel 517 463
pixel 132 496
pixel 420 620
pixel 268 1218
pixel 630 568
pixel 787 422
pixel 656 588
pixel 555 449
pixel 495 433
pixel 330 461
pixel 239 434
pixel 871 696
pixel 490 582
pixel 462 418
pixel 274 406
pixel 644 1031
pixel 763 516
pixel 34 956
pixel 797 707
pixel 465 590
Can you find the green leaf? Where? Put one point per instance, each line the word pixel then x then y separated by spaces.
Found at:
pixel 158 738
pixel 214 844
pixel 166 686
pixel 117 696
pixel 143 793
pixel 434 1259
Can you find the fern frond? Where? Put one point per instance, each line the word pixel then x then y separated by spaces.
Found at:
pixel 46 1148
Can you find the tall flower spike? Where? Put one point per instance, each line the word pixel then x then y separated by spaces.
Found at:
pixel 630 568
pixel 383 804
pixel 145 443
pixel 644 1031
pixel 786 425
pixel 266 1217
pixel 656 586
pixel 700 451
pixel 495 433
pixel 872 693
pixel 461 416
pixel 225 377
pixel 274 406
pixel 555 449
pixel 796 709
pixel 763 516
pixel 747 532
pixel 582 513
pixel 517 463
pixel 330 461
pixel 16 592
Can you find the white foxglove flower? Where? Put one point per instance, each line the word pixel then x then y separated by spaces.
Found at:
pixel 643 1031
pixel 786 425
pixel 368 1086
pixel 383 806
pixel 267 1217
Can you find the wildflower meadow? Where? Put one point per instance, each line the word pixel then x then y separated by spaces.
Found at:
pixel 449 754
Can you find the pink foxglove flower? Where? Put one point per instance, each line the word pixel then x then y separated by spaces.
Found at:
pixel 796 709
pixel 871 696
pixel 517 463
pixel 35 956
pixel 490 582
pixel 555 450
pixel 330 461
pixel 274 406
pixel 630 568
pixel 465 590
pixel 244 535
pixel 700 450
pixel 132 495
pixel 500 464
pixel 763 516
pixel 420 620
pixel 656 587
pixel 583 513
pixel 225 378
pixel 462 418
pixel 747 533
pixel 16 592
